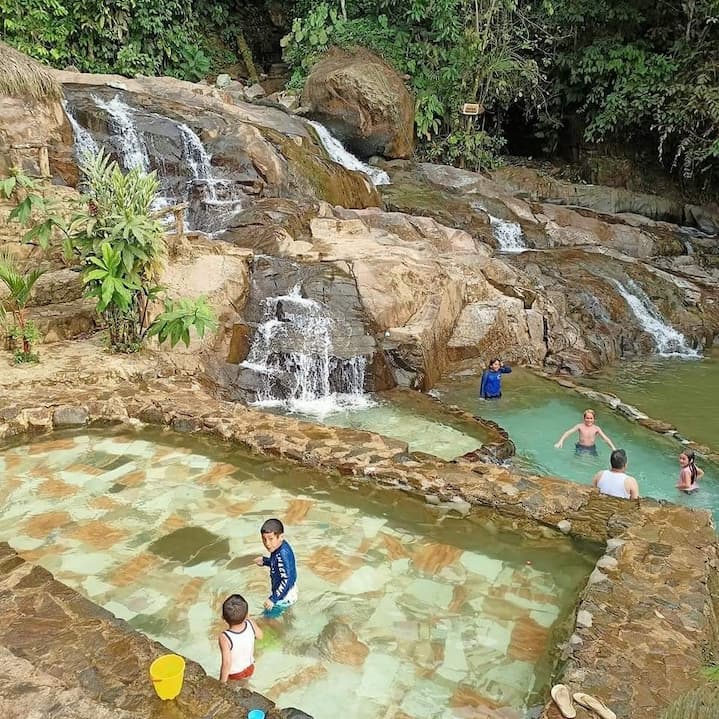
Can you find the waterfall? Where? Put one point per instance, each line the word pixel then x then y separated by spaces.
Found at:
pixel 337 152
pixel 84 144
pixel 508 235
pixel 197 160
pixel 133 150
pixel 292 354
pixel 668 341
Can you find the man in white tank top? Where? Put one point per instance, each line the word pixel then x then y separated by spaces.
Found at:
pixel 615 482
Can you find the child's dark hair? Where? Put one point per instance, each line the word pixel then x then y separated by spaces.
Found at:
pixel 689 454
pixel 493 360
pixel 234 609
pixel 272 526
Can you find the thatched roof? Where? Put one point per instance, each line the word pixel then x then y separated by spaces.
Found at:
pixel 21 76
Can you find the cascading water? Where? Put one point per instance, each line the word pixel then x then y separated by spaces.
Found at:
pixel 508 235
pixel 669 342
pixel 292 353
pixel 84 143
pixel 133 150
pixel 197 160
pixel 340 155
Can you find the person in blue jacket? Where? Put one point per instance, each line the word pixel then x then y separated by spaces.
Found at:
pixel 491 384
pixel 283 571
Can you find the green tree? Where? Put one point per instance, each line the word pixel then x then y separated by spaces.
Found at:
pixel 454 51
pixel 642 72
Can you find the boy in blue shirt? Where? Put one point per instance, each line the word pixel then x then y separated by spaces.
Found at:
pixel 283 571
pixel 491 385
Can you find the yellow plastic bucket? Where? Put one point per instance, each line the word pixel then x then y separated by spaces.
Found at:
pixel 167 673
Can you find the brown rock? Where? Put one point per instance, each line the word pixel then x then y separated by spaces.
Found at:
pixel 363 101
pixel 339 643
pixel 528 642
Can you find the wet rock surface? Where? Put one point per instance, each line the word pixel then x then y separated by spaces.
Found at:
pixel 257 151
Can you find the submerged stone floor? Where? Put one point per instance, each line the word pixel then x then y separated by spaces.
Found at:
pixel 646 622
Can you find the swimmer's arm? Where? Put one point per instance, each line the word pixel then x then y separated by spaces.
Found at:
pixel 258 631
pixel 226 657
pixel 595 479
pixel 560 441
pixel 700 473
pixel 633 488
pixel 606 439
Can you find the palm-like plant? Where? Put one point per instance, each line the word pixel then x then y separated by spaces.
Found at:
pixel 19 285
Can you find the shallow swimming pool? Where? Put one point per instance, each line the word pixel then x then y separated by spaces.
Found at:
pixel 413 418
pixel 402 611
pixel 536 412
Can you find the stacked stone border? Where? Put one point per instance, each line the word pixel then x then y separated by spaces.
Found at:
pixel 646 622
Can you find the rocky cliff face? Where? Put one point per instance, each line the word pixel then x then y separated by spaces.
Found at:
pixel 410 287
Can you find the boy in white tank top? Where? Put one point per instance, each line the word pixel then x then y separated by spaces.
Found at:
pixel 237 642
pixel 615 482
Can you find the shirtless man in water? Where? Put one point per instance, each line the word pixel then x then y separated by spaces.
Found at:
pixel 588 432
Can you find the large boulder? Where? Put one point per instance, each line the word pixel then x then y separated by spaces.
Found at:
pixel 363 101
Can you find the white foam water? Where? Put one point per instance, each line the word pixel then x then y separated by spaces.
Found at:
pixel 133 150
pixel 509 235
pixel 338 153
pixel 668 341
pixel 198 160
pixel 84 144
pixel 309 379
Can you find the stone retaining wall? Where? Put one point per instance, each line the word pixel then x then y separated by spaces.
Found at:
pixel 646 621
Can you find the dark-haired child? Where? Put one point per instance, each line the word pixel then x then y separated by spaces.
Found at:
pixel 237 642
pixel 490 386
pixel 283 572
pixel 689 473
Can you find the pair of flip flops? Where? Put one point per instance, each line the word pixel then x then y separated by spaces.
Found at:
pixel 563 700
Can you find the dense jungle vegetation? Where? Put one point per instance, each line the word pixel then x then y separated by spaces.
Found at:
pixel 643 73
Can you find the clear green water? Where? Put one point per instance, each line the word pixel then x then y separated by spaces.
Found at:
pixel 413 418
pixel 536 412
pixel 683 392
pixel 401 611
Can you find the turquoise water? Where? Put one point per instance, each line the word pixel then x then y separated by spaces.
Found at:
pixel 683 392
pixel 413 418
pixel 402 611
pixel 536 412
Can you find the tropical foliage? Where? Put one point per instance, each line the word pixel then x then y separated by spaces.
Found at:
pixel 13 313
pixel 120 248
pixel 453 51
pixel 642 71
pixel 641 74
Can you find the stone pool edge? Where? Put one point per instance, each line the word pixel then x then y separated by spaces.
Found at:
pixel 646 621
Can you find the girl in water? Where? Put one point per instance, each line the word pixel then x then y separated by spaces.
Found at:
pixel 689 473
